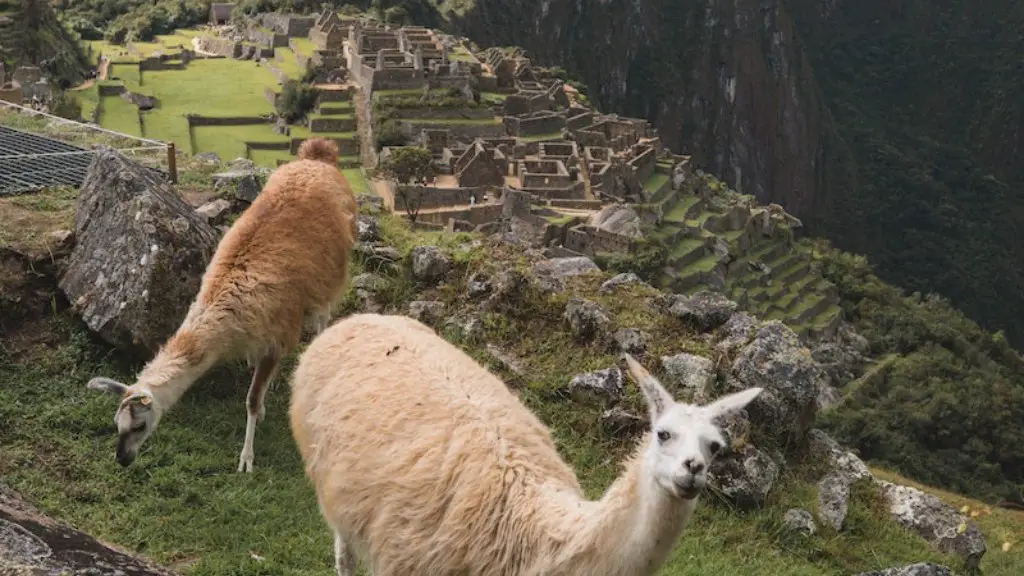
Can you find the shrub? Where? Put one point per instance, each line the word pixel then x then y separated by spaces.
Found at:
pixel 296 100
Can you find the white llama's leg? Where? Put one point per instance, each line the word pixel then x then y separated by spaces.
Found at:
pixel 255 409
pixel 344 560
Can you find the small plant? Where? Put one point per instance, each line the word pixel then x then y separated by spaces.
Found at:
pixel 296 101
pixel 409 165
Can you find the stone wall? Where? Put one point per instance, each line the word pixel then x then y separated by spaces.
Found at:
pixel 329 124
pixel 197 120
pixel 465 131
pixel 11 93
pixel 535 125
pixel 476 215
pixel 645 164
pixel 111 89
pixel 220 46
pixel 575 191
pixel 441 113
pixel 397 79
pixel 433 197
pixel 580 121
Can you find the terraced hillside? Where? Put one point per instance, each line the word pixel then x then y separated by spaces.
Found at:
pixel 720 240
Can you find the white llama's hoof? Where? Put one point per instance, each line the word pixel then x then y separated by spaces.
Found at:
pixel 245 462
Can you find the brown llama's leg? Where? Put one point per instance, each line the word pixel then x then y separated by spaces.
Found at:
pixel 261 377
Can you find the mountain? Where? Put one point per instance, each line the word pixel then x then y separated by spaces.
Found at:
pixel 892 128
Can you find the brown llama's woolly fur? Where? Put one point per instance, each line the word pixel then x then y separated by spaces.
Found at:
pixel 320 149
pixel 282 265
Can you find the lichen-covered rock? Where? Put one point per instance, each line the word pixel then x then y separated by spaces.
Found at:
pixel 693 374
pixel 822 448
pixel 631 341
pixel 506 359
pixel 587 319
pixel 919 569
pixel 615 282
pixel 777 361
pixel 479 284
pixel 139 256
pixel 745 476
pixel 833 500
pixel 429 263
pixel 608 383
pixel 214 212
pixel 735 333
pixel 369 203
pixel 366 286
pixel 35 545
pixel 705 310
pixel 426 311
pixel 551 274
pixel 369 230
pixel 243 182
pixel 938 523
pixel 617 420
pixel 508 289
pixel 799 520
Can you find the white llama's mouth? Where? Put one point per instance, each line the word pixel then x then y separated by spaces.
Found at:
pixel 687 492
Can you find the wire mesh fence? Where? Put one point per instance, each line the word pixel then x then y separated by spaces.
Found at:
pixel 39 150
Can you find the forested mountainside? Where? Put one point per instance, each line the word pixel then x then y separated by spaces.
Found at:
pixel 893 128
pixel 30 34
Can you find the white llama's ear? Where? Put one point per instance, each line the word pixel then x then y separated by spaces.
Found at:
pixel 733 402
pixel 658 399
pixel 107 385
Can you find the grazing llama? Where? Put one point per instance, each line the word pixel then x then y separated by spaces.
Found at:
pixel 425 463
pixel 281 267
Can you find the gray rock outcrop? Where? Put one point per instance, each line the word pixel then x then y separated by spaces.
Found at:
pixel 33 544
pixel 833 500
pixel 429 263
pixel 139 256
pixel 705 310
pixel 587 319
pixel 551 274
pixel 919 569
pixel 799 520
pixel 690 373
pixel 607 383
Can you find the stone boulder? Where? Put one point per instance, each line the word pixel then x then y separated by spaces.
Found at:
pixel 777 361
pixel 821 448
pixel 619 280
pixel 692 374
pixel 586 319
pixel 935 521
pixel 214 212
pixel 33 544
pixel 631 341
pixel 242 182
pixel 429 264
pixel 551 274
pixel 617 420
pixel 618 219
pixel 744 475
pixel 427 311
pixel 919 569
pixel 799 520
pixel 735 333
pixel 608 383
pixel 833 500
pixel 139 256
pixel 368 229
pixel 705 310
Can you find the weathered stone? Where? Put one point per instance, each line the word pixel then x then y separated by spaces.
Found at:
pixel 508 288
pixel 369 203
pixel 937 522
pixel 619 280
pixel 608 383
pixel 705 310
pixel 693 374
pixel 426 311
pixel 429 263
pixel 745 476
pixel 243 182
pixel 469 328
pixel 587 320
pixel 631 341
pixel 479 284
pixel 139 257
pixel 551 274
pixel 841 356
pixel 214 212
pixel 735 333
pixel 509 362
pixel 33 544
pixel 822 448
pixel 833 500
pixel 799 520
pixel 777 361
pixel 919 569
pixel 369 282
pixel 369 231
pixel 618 420
pixel 207 158
pixel 60 241
pixel 386 253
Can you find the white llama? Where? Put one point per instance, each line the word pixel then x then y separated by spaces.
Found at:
pixel 425 463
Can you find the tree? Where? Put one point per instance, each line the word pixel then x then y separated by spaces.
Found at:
pixel 408 165
pixel 295 101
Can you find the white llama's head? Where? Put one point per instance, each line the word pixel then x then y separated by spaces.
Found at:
pixel 685 438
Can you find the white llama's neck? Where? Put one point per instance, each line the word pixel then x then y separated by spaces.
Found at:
pixel 633 528
pixel 175 368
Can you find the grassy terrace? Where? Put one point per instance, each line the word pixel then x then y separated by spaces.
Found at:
pixel 655 182
pixel 304 46
pixel 136 50
pixel 454 121
pixel 542 137
pixel 285 61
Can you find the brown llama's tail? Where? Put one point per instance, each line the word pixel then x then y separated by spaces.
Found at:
pixel 320 149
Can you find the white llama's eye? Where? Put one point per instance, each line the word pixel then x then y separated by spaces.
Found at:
pixel 663 435
pixel 714 447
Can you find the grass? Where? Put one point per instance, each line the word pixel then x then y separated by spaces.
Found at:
pixel 182 502
pixel 542 137
pixel 655 182
pixel 305 46
pixel 26 220
pixel 356 180
pixel 229 141
pixel 119 115
pixel 284 60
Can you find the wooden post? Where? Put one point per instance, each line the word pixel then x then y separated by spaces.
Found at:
pixel 172 163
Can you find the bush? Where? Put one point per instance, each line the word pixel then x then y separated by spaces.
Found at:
pixel 389 133
pixel 296 100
